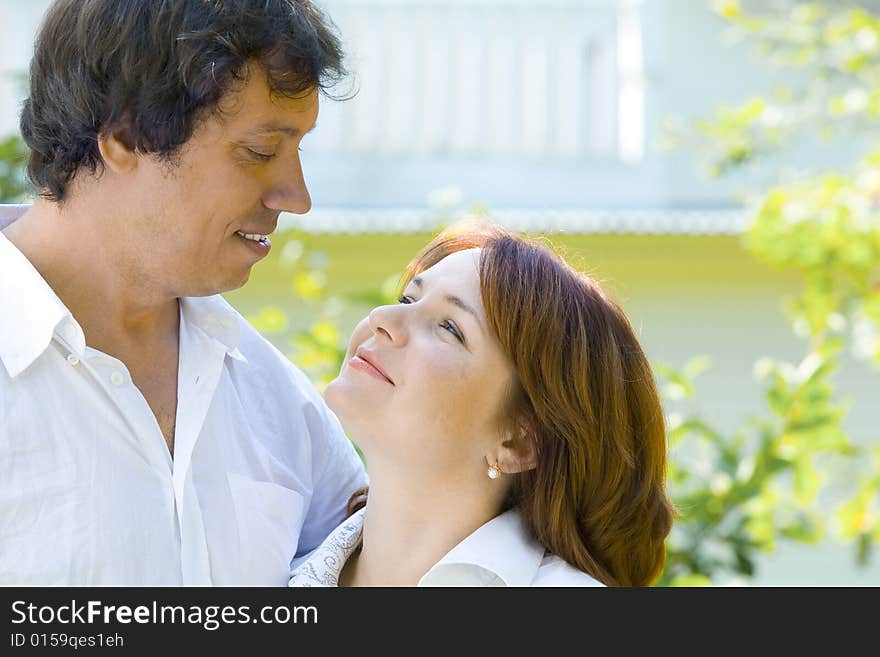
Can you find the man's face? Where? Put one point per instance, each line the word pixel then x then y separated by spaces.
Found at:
pixel 188 222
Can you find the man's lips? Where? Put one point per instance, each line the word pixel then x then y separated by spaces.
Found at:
pixel 265 227
pixel 257 230
pixel 257 236
pixel 366 360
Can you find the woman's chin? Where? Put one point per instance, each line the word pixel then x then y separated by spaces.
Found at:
pixel 343 399
pixel 333 395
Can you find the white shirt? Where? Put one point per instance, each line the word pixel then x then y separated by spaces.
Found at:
pixel 500 553
pixel 89 494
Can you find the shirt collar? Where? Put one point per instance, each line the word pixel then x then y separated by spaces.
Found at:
pixel 216 318
pixel 32 313
pixel 503 547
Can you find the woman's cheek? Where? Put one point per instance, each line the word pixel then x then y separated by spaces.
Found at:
pixel 452 375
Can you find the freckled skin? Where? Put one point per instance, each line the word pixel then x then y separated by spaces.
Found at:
pixel 443 411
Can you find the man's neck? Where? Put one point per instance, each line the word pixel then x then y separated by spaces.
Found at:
pixel 116 305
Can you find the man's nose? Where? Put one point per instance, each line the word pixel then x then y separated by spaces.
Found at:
pixel 289 194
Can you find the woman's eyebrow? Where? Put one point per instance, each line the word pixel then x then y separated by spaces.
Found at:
pixel 451 298
pixel 454 300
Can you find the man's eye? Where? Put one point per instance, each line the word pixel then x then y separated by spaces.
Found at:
pixel 404 299
pixel 261 156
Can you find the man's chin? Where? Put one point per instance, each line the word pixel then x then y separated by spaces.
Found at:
pixel 239 283
pixel 229 284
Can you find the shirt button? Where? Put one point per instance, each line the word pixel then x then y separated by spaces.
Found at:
pixel 72 359
pixel 117 379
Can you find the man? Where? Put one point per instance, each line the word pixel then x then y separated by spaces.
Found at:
pixel 148 435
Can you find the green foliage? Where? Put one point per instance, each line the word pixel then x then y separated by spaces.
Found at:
pixel 13 158
pixel 860 516
pixel 760 483
pixel 829 56
pixel 739 491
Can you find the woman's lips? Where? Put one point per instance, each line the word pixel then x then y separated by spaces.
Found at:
pixel 367 363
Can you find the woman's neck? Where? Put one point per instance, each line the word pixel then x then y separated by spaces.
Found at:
pixel 410 525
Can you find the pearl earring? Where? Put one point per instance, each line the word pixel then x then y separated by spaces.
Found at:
pixel 493 471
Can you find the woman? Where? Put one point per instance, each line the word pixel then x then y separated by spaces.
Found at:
pixel 510 425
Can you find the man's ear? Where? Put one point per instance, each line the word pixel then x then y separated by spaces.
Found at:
pixel 518 453
pixel 117 150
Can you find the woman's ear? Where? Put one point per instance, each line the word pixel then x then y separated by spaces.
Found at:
pixel 517 454
pixel 117 151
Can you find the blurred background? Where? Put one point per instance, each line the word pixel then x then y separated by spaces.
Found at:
pixel 712 163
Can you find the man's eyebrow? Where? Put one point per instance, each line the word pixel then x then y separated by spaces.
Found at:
pixel 454 300
pixel 267 128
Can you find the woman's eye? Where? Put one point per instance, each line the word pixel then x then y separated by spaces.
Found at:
pixel 446 324
pixel 449 326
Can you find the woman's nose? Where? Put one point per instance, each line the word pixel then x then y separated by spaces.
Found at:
pixel 386 322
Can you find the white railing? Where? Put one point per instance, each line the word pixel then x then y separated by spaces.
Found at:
pixel 474 78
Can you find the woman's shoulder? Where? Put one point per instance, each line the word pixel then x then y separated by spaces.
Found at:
pixel 554 571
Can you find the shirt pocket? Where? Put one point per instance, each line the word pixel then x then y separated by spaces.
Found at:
pixel 269 517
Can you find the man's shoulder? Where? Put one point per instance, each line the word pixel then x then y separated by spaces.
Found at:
pixel 9 213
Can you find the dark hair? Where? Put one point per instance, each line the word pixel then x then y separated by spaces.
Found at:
pixel 586 396
pixel 154 68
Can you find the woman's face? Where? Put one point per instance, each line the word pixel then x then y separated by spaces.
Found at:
pixel 424 383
